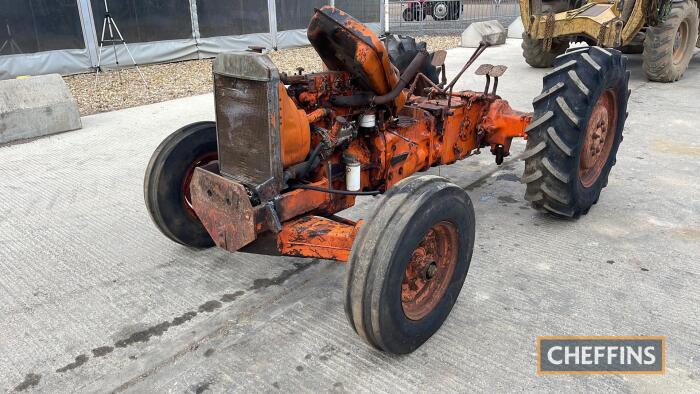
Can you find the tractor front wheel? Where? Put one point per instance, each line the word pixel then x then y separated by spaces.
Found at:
pixel 669 46
pixel 576 130
pixel 535 54
pixel 409 262
pixel 167 183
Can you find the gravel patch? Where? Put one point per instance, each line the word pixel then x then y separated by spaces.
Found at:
pixel 124 88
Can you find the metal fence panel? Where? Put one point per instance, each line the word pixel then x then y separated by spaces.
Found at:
pixel 31 26
pixel 421 17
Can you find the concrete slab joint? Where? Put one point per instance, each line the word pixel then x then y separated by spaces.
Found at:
pixel 37 106
pixel 491 32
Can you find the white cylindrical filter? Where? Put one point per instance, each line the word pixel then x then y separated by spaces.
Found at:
pixel 368 120
pixel 352 176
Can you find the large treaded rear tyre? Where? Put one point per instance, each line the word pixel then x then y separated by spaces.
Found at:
pixel 536 56
pixel 584 96
pixel 409 262
pixel 669 46
pixel 402 51
pixel 166 183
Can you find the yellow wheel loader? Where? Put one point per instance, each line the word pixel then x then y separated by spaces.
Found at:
pixel 664 31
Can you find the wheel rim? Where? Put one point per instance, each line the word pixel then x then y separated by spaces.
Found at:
pixel 201 161
pixel 600 134
pixel 680 43
pixel 440 11
pixel 429 271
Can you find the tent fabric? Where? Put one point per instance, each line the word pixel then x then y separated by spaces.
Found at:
pixel 63 36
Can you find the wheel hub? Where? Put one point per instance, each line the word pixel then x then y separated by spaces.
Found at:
pixel 600 134
pixel 680 43
pixel 429 271
pixel 186 192
pixel 440 11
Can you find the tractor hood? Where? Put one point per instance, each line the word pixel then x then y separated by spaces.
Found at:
pixel 345 44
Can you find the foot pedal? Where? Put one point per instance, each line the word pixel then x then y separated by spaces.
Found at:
pixel 484 69
pixel 497 71
pixel 439 58
pixel 491 71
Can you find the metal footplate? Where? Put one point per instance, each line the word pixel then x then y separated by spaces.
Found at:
pixel 224 209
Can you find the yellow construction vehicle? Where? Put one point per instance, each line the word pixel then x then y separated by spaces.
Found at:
pixel 664 31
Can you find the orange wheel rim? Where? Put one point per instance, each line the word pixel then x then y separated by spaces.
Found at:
pixel 600 134
pixel 680 43
pixel 429 271
pixel 186 193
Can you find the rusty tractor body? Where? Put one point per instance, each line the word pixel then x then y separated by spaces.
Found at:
pixel 288 152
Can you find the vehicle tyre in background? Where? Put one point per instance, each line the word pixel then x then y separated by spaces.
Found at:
pixel 669 46
pixel 536 56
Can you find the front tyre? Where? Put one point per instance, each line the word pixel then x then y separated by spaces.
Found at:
pixel 166 184
pixel 409 262
pixel 576 130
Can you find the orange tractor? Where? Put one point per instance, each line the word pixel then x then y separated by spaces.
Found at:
pixel 288 152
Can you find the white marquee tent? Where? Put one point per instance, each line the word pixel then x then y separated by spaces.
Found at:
pixel 62 36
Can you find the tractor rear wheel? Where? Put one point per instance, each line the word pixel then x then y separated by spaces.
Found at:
pixel 409 262
pixel 166 184
pixel 403 49
pixel 536 56
pixel 669 46
pixel 576 130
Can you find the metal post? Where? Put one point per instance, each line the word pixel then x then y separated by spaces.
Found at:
pixel 195 24
pixel 383 17
pixel 272 17
pixel 89 30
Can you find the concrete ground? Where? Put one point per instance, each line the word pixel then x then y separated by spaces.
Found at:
pixel 95 299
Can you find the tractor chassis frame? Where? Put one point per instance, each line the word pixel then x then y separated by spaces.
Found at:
pixel 304 221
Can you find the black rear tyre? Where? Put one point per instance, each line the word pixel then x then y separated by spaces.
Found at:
pixel 402 51
pixel 166 184
pixel 409 262
pixel 576 130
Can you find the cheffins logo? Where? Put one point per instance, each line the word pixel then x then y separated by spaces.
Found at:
pixel 601 355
